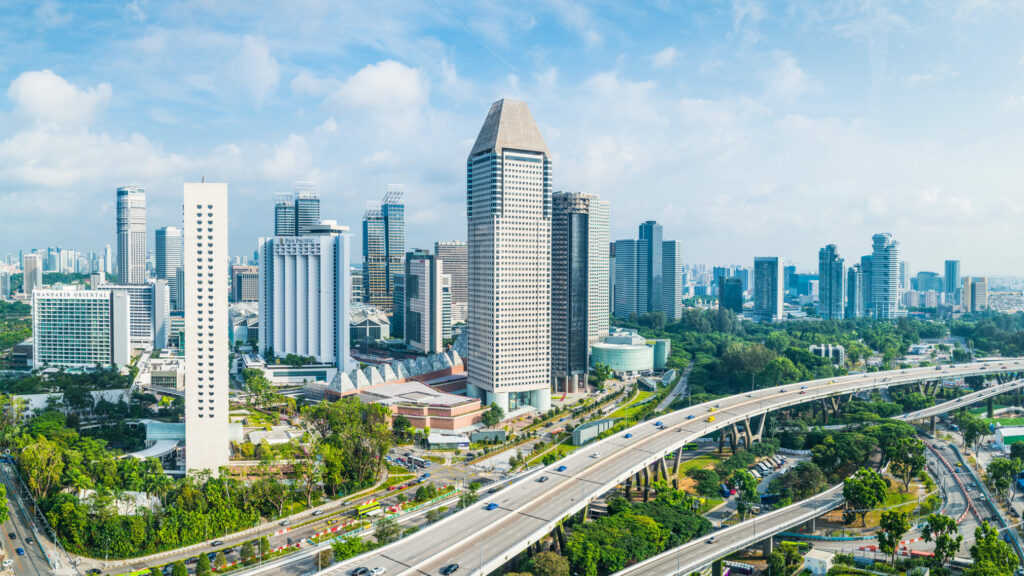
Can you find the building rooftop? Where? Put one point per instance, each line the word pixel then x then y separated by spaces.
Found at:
pixel 819 554
pixel 412 392
pixel 509 124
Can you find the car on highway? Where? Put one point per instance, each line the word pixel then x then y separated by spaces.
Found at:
pixel 285 523
pixel 542 479
pixel 20 551
pixel 710 419
pixel 561 468
pixel 425 475
pixel 492 490
pixel 712 540
pixel 491 506
pixel 781 390
pixel 718 405
pixel 690 417
pixel 449 569
pixel 12 536
pixel 938 367
pixel 803 391
pixel 217 543
pixel 7 563
pixel 658 423
pixel 595 455
pixel 361 571
pixel 628 435
pixel 30 540
pixel 377 571
pixel 803 387
pixel 317 512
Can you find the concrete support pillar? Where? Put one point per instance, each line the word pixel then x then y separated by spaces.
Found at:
pixel 647 484
pixel 933 424
pixel 767 546
pixel 990 406
pixel 585 512
pixel 629 487
pixel 716 568
pixel 664 468
pixel 810 526
pixel 824 411
pixel 679 458
pixel 721 441
pixel 559 537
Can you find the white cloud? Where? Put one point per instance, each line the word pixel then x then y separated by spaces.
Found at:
pixel 134 11
pixel 664 58
pixel 329 126
pixel 929 78
pixel 46 97
pixel 387 86
pixel 254 70
pixel 291 160
pixel 309 84
pixel 51 15
pixel 787 80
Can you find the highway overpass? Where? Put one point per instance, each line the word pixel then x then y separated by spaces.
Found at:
pixel 481 541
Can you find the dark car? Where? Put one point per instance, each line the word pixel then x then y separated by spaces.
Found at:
pixel 93 571
pixel 361 571
pixel 12 536
pixel 192 560
pixel 561 468
pixel 449 569
pixel 542 479
pixel 492 490
pixel 30 540
pixel 217 543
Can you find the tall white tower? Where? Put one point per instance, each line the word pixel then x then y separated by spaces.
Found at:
pixel 206 330
pixel 885 276
pixel 131 235
pixel 508 209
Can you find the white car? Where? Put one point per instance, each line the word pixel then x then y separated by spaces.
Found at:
pixel 8 562
pixel 378 571
pixel 595 455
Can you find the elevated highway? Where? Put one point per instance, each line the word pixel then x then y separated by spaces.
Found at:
pixel 481 540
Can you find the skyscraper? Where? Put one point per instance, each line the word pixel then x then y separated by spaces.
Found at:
pixel 579 284
pixel 80 328
pixel 5 284
pixel 383 247
pixel 643 273
pixel 32 267
pixel 867 286
pixel 424 302
pixel 730 294
pixel 831 284
pixel 768 288
pixel 885 281
pixel 305 294
pixel 131 235
pixel 854 292
pixel 508 211
pixel 295 213
pixel 904 276
pixel 455 256
pixel 974 295
pixel 672 279
pixel 206 346
pixel 650 251
pixel 952 279
pixel 169 258
pixel 108 260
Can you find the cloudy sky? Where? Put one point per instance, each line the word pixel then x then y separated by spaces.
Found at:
pixel 747 128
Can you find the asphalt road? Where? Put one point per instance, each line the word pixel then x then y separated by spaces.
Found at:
pixel 33 563
pixel 529 509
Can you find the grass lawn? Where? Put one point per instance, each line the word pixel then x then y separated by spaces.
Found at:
pixel 709 503
pixel 395 479
pixel 559 451
pixel 895 497
pixel 705 461
pixel 630 409
pixel 1004 421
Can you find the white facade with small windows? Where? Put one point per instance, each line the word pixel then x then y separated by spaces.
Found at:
pixel 206 345
pixel 509 219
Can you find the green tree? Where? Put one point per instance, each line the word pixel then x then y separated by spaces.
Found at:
pixel 1017 451
pixel 992 556
pixel 264 546
pixel 972 429
pixel 1000 474
pixel 549 564
pixel 611 543
pixel 203 565
pixel 246 552
pixel 220 561
pixel 154 571
pixel 747 493
pixel 41 465
pixel 400 425
pixel 906 459
pixel 893 526
pixel 324 559
pixel 943 531
pixel 864 490
pixel 776 563
pixel 348 547
pixel 179 569
pixel 433 516
pixel 493 415
pixel 386 530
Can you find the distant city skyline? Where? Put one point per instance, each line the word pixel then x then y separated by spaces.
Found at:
pixel 804 123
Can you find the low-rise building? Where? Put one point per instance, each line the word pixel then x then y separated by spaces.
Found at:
pixel 818 561
pixel 835 352
pixel 426 407
pixel 1007 435
pixel 368 324
pixel 628 353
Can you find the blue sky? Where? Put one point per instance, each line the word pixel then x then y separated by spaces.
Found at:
pixel 747 128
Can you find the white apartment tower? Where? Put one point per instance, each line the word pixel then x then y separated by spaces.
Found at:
pixel 885 276
pixel 305 294
pixel 32 268
pixel 206 344
pixel 131 235
pixel 508 209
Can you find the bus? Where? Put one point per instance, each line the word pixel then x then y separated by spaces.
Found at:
pixel 368 509
pixel 802 547
pixel 416 461
pixel 691 446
